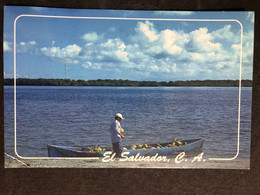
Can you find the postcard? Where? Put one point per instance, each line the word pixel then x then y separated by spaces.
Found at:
pixel 86 88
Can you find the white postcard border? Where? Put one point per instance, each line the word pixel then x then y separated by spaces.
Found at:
pixel 117 18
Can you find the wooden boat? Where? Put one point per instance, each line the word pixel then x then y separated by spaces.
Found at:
pixel 192 145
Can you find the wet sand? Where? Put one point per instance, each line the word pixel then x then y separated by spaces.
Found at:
pixel 118 163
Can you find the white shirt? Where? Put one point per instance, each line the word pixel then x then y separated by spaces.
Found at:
pixel 115 128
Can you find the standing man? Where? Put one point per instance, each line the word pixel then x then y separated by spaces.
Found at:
pixel 116 135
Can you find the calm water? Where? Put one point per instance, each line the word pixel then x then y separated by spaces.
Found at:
pixel 82 115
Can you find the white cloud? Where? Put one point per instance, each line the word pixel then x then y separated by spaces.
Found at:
pixel 201 41
pixel 173 41
pixel 90 65
pixel 112 50
pixel 248 48
pixel 236 47
pixel 7 46
pixel 176 53
pixel 251 16
pixel 97 55
pixel 129 13
pixel 24 47
pixel 147 30
pixel 67 54
pixel 166 51
pixel 37 8
pixel 6 75
pixel 91 37
pixel 158 44
pixel 136 54
pixel 166 54
pixel 171 13
pixel 87 65
pixel 226 34
pixel 11 75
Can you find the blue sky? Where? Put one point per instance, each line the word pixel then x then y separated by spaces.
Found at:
pixel 142 49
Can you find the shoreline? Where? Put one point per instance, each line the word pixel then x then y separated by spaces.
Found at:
pixel 239 163
pixel 128 83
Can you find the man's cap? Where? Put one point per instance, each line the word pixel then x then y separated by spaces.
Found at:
pixel 120 116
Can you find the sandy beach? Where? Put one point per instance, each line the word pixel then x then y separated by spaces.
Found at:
pixel 118 163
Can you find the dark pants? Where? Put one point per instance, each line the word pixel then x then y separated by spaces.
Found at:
pixel 117 148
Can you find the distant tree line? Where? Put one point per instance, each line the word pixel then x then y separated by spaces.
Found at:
pixel 120 82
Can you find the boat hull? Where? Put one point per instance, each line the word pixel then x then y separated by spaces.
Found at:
pixel 193 145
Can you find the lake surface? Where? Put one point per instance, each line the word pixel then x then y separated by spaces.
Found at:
pixel 82 115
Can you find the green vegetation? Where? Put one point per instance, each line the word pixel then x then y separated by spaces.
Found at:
pixel 120 82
